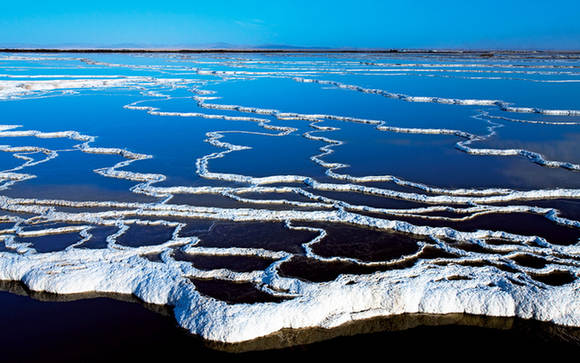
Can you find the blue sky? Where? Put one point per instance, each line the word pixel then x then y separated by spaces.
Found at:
pixel 359 23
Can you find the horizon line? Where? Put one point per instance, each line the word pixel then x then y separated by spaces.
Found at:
pixel 489 51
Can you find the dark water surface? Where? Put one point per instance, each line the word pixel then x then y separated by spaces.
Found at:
pixel 42 328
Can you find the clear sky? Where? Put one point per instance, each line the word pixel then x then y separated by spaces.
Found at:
pixel 531 24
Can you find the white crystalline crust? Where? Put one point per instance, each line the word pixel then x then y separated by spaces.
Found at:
pixel 9 89
pixel 502 105
pixel 435 285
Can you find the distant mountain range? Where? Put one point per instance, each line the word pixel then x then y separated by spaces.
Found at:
pixel 219 45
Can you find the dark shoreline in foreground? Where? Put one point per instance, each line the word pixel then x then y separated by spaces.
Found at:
pixel 96 327
pixel 481 52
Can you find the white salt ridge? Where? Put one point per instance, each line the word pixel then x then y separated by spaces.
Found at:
pixel 504 106
pixel 408 68
pixel 545 122
pixel 473 65
pixel 58 76
pixel 12 89
pixel 496 77
pixel 31 58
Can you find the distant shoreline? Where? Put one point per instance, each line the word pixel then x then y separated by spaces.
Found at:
pixel 306 51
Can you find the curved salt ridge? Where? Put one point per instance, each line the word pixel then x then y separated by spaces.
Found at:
pixel 122 174
pixel 450 73
pixel 48 231
pixel 30 58
pixel 22 152
pixel 531 121
pixel 234 251
pixel 10 89
pixel 535 157
pixel 59 76
pixel 454 101
pixel 322 234
pixel 495 77
pixel 471 65
pixel 225 75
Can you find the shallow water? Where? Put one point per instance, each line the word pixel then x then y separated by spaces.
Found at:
pixel 255 193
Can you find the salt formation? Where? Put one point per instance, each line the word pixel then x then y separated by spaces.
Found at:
pixel 452 270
